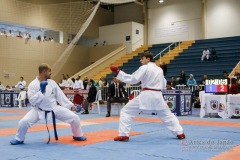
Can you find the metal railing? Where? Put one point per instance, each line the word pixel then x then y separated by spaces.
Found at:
pixel 169 48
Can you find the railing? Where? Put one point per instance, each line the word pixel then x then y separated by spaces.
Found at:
pixel 100 61
pixel 236 69
pixel 169 48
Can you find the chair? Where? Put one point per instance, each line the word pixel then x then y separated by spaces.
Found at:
pixel 98 97
pixel 21 98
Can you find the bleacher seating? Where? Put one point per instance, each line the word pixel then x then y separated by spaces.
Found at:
pixel 133 64
pixel 228 52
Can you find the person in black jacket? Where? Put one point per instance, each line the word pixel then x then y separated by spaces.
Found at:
pixel 116 92
pixel 182 78
pixel 91 96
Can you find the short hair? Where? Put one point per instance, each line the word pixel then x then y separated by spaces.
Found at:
pixel 43 67
pixel 91 80
pixel 21 77
pixel 147 54
pixel 224 72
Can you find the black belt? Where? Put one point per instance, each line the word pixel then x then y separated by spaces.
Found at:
pixel 54 124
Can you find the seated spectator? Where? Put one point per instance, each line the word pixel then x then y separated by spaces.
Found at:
pixel 19 35
pixel 10 34
pixel 233 88
pixel 225 76
pixel 202 82
pixel 173 82
pixel 1 86
pixel 186 87
pixel 191 81
pixel 196 100
pixel 39 38
pixel 78 84
pixel 214 54
pixel 168 86
pixel 91 96
pixel 182 78
pixel 205 55
pixel 8 88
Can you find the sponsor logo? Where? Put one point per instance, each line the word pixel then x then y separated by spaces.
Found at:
pixel 221 107
pixel 170 100
pixel 214 104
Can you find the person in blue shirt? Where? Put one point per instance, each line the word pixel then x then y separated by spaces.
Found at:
pixel 191 81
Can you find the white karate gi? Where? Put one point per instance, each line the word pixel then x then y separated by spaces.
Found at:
pixel 206 54
pixel 149 101
pixel 78 84
pixel 21 84
pixel 69 83
pixel 48 101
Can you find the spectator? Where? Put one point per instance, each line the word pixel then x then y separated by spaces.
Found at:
pixel 8 88
pixel 21 84
pixel 173 82
pixel 196 100
pixel 104 43
pixel 205 55
pixel 78 83
pixel 168 86
pixel 1 86
pixel 19 35
pixel 101 82
pixel 202 82
pixel 214 54
pixel 225 76
pixel 191 81
pixel 10 34
pixel 233 89
pixel 69 82
pixel 182 78
pixel 164 68
pixel 85 82
pixel 91 96
pixel 186 87
pixel 39 38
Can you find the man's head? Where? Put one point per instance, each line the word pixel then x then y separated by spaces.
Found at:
pixel 205 76
pixel 225 74
pixel 90 82
pixel 44 71
pixel 168 86
pixel 115 80
pixel 146 57
pixel 21 78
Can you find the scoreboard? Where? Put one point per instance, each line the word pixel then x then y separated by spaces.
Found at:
pixel 216 86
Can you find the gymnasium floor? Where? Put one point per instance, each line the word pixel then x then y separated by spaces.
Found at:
pixel 207 138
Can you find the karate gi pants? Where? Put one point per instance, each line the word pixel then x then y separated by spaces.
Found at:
pixel 61 113
pixel 131 110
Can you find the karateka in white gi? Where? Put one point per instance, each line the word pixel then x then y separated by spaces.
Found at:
pixel 43 94
pixel 78 84
pixel 150 99
pixel 206 54
pixel 21 84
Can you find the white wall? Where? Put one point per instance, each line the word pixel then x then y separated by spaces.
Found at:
pixel 115 34
pixel 174 20
pixel 223 18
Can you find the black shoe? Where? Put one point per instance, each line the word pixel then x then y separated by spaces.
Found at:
pixel 85 112
pixel 108 115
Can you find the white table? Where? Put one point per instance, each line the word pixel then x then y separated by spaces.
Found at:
pixel 233 105
pixel 214 104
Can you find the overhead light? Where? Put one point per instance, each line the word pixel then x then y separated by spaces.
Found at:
pixel 161 1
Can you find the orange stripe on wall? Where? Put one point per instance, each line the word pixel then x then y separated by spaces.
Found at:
pixel 92 137
pixel 15 111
